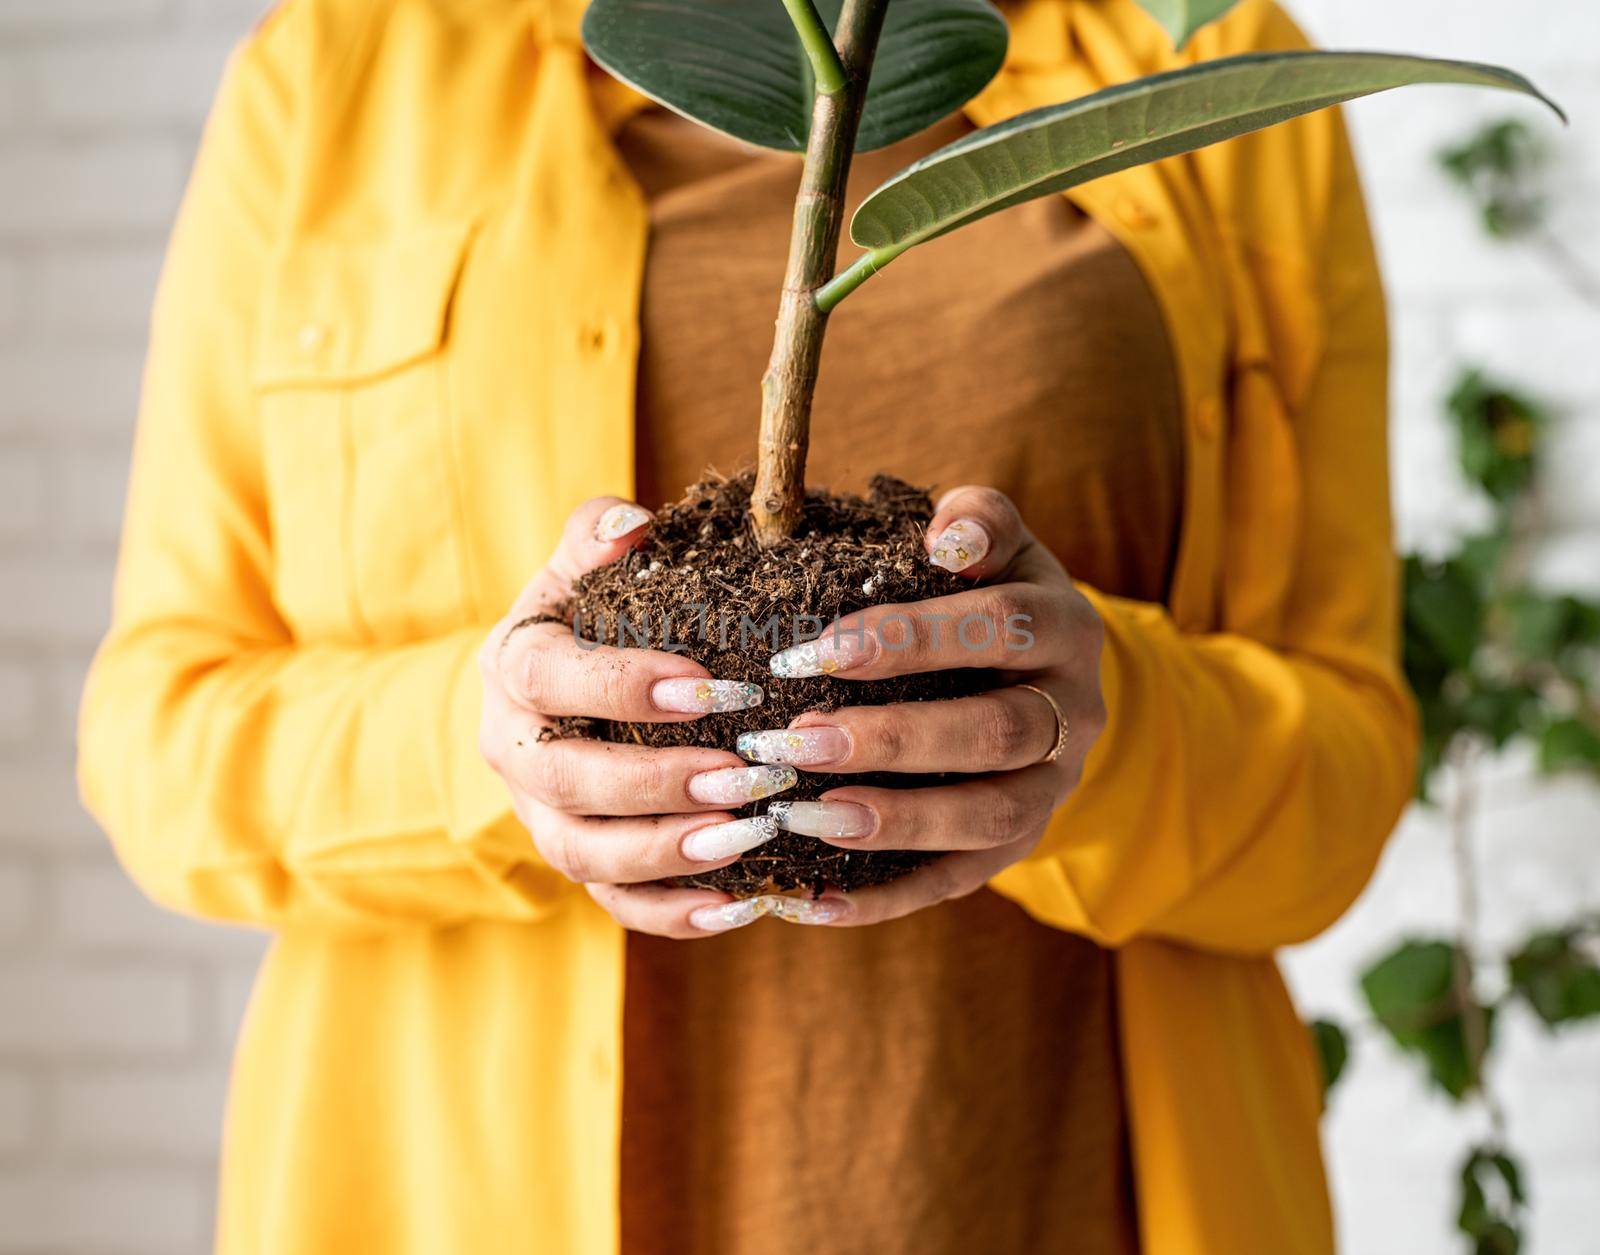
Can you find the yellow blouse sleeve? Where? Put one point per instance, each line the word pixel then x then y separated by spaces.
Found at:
pixel 1243 789
pixel 242 774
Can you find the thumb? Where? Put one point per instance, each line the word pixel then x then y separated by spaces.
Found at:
pixel 975 531
pixel 598 532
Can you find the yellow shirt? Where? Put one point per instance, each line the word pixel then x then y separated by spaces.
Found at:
pixel 394 345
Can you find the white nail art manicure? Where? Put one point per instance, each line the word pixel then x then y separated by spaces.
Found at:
pixel 803 747
pixel 720 841
pixel 730 915
pixel 734 786
pixel 960 545
pixel 619 520
pixel 823 819
pixel 687 695
pixel 838 649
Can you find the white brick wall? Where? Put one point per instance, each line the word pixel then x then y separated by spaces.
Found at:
pixel 116 1019
pixel 1458 298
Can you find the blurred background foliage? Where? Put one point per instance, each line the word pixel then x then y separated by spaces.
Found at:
pixel 1494 659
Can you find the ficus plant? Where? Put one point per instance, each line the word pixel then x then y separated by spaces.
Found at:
pixel 824 79
pixel 828 78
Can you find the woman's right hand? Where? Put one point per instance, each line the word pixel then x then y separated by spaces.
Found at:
pixel 613 816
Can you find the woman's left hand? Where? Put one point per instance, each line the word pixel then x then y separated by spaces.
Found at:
pixel 1025 751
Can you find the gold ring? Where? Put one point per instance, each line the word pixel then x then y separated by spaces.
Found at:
pixel 1061 722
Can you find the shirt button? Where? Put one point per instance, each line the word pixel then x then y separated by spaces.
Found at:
pixel 1133 214
pixel 312 336
pixel 1207 417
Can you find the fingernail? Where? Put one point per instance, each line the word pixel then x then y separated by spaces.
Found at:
pixel 959 546
pixel 804 747
pixel 619 520
pixel 734 786
pixel 719 841
pixel 824 819
pixel 689 696
pixel 719 919
pixel 837 649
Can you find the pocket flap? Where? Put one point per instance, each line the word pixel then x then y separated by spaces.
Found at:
pixel 342 311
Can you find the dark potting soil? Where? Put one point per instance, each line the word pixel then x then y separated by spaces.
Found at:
pixel 699 578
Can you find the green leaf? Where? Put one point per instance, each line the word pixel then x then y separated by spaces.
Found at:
pixel 1544 625
pixel 738 67
pixel 1569 743
pixel 1060 146
pixel 1500 167
pixel 1556 978
pixel 1333 1051
pixel 1492 1199
pixel 1412 995
pixel 1181 18
pixel 1498 431
pixel 1443 615
pixel 1499 711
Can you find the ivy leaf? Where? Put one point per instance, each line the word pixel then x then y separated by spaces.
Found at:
pixel 1500 168
pixel 1498 431
pixel 1569 743
pixel 1181 18
pixel 1480 555
pixel 1492 1199
pixel 1543 625
pixel 1412 995
pixel 1556 978
pixel 1333 1051
pixel 1499 711
pixel 1444 614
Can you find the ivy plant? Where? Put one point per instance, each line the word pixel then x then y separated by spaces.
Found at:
pixel 1496 659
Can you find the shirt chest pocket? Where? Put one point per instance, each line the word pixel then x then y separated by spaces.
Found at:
pixel 358 437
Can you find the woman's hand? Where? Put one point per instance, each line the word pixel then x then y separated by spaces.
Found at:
pixel 1025 744
pixel 611 816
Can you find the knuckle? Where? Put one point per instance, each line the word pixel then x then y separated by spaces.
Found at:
pixel 1004 732
pixel 1003 815
pixel 651 778
pixel 531 673
pixel 993 502
pixel 1005 605
pixel 612 687
pixel 572 856
pixel 553 777
pixel 881 740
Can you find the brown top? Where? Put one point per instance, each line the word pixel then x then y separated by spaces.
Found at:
pixel 948 1082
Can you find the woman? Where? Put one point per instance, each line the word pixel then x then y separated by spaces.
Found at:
pixel 408 324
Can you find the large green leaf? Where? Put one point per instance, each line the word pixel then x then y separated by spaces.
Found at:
pixel 738 67
pixel 1182 18
pixel 1060 146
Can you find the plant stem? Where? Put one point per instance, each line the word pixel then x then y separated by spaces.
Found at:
pixel 1571 268
pixel 826 67
pixel 791 378
pixel 854 275
pixel 1474 1021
